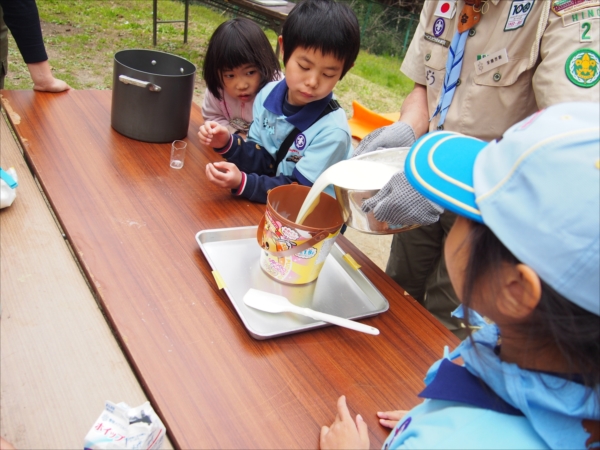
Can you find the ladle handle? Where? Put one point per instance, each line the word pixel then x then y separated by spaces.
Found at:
pixel 340 321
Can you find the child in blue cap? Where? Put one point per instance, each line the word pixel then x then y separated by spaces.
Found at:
pixel 524 252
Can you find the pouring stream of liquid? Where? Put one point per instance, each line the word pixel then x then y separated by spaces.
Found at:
pixel 349 174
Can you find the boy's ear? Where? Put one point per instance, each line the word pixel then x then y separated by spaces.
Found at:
pixel 280 42
pixel 522 291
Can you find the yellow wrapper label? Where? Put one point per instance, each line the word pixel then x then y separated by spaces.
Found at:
pixel 218 279
pixel 350 260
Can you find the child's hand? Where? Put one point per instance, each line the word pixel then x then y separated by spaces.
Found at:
pixel 224 174
pixel 213 134
pixel 344 432
pixel 390 419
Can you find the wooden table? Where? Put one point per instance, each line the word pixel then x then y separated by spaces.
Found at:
pixel 131 221
pixel 59 360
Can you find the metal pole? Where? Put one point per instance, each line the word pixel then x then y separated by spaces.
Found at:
pixel 154 22
pixel 185 27
pixel 362 31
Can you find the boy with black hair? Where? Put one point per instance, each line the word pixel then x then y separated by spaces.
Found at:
pixel 298 129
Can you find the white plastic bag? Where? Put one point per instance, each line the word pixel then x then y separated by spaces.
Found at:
pixel 122 427
pixel 8 187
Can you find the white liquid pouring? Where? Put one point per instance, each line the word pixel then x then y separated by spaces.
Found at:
pixel 354 173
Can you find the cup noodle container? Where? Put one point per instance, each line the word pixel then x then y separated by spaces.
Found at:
pixel 293 253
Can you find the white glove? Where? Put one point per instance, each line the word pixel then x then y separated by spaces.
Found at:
pixel 398 203
pixel 399 134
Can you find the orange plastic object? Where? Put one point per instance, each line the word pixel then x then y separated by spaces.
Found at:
pixel 364 120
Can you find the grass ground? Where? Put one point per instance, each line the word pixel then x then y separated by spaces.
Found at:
pixel 82 37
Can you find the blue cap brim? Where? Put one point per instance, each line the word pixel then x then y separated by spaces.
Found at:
pixel 440 167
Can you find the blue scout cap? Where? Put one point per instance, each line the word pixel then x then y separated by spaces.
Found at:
pixel 537 189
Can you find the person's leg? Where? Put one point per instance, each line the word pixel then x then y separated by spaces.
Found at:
pixel 413 256
pixel 440 298
pixel 3 49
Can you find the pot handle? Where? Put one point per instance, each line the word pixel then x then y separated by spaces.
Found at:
pixel 292 251
pixel 143 84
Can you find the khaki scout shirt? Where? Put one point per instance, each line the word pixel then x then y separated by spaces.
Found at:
pixel 487 104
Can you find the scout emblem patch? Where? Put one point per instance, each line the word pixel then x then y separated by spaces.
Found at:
pixel 438 27
pixel 300 142
pixel 583 68
pixel 561 7
pixel 519 10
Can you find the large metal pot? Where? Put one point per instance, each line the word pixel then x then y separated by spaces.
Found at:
pixel 152 95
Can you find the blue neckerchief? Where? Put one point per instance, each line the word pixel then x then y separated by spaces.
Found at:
pixel 456 384
pixel 304 118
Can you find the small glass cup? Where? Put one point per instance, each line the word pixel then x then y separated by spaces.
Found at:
pixel 177 154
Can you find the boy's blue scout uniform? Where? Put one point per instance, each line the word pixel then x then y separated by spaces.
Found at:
pixel 317 147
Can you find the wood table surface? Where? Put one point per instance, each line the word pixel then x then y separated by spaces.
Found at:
pixel 132 220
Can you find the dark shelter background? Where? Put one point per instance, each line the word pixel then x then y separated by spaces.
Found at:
pixel 386 26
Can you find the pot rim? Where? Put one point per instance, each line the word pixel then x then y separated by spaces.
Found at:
pixel 195 69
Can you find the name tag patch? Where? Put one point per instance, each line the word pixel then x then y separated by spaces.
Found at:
pixel 519 10
pixel 437 40
pixel 491 61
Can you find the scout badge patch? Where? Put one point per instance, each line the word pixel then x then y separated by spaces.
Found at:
pixel 519 10
pixel 583 68
pixel 561 7
pixel 438 27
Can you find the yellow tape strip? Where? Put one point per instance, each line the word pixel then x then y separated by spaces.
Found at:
pixel 218 279
pixel 350 260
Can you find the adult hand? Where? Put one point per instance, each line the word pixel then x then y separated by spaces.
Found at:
pixel 398 203
pixel 399 134
pixel 54 85
pixel 213 134
pixel 43 80
pixel 345 432
pixel 224 174
pixel 390 419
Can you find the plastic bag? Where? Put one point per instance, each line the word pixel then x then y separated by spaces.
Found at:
pixel 8 187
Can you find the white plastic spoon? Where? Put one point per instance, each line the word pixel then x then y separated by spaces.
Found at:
pixel 272 303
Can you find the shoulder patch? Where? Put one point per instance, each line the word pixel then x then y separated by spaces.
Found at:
pixel 581 15
pixel 583 67
pixel 562 7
